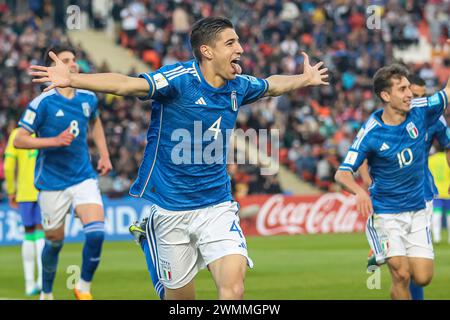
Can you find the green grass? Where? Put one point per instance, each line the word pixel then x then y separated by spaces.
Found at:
pixel 286 267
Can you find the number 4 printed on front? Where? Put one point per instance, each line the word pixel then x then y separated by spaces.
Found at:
pixel 216 127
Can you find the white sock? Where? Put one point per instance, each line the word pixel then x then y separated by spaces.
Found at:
pixel 437 225
pixel 28 254
pixel 39 244
pixel 84 286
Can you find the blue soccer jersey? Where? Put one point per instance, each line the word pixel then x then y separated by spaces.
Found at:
pixel 441 132
pixel 396 155
pixel 48 115
pixel 184 164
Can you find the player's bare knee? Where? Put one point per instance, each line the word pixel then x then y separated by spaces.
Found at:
pixel 423 279
pixel 231 292
pixel 402 276
pixel 55 235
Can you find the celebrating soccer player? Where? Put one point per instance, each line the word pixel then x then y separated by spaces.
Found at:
pixel 64 174
pixel 393 142
pixel 194 221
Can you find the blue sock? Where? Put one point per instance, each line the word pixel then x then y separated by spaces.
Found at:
pixel 94 233
pixel 416 291
pixel 159 288
pixel 50 255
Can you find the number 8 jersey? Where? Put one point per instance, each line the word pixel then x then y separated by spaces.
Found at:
pixel 396 155
pixel 48 115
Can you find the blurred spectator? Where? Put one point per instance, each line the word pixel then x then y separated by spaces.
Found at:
pixel 316 125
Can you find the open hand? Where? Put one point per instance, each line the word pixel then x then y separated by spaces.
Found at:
pixel 58 75
pixel 315 75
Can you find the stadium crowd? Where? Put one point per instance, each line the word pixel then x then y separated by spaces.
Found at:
pixel 316 125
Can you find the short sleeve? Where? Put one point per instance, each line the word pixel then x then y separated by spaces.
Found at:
pixel 32 118
pixel 433 106
pixel 443 133
pixel 162 82
pixel 256 88
pixel 357 153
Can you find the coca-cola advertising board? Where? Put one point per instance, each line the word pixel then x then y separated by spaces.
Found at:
pixel 281 214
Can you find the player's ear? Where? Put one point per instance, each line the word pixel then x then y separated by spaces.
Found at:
pixel 385 96
pixel 206 51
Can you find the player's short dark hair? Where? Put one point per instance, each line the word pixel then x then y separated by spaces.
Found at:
pixel 205 31
pixel 57 49
pixel 382 80
pixel 418 81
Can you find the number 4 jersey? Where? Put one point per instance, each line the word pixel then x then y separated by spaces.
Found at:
pixel 48 115
pixel 396 155
pixel 184 164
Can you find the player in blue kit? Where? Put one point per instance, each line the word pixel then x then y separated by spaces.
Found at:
pixel 194 221
pixel 64 175
pixel 436 131
pixel 393 142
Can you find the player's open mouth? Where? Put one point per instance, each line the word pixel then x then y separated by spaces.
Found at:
pixel 235 65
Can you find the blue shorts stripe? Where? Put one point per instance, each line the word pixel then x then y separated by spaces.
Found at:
pixel 151 241
pixel 373 236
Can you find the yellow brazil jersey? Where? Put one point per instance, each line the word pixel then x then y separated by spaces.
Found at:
pixel 441 173
pixel 25 159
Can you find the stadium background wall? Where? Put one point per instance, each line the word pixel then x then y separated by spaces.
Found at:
pixel 260 215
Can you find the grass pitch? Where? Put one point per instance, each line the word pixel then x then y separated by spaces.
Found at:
pixel 311 267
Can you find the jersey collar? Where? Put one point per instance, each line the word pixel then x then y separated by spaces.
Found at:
pixel 206 85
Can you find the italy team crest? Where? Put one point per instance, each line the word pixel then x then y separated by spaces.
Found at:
pixel 412 130
pixel 86 109
pixel 234 103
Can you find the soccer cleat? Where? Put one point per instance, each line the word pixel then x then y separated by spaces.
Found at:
pixel 82 295
pixel 33 291
pixel 138 230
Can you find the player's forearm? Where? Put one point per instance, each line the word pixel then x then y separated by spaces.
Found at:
pixel 28 142
pixel 346 179
pixel 280 84
pixel 364 173
pixel 98 135
pixel 114 83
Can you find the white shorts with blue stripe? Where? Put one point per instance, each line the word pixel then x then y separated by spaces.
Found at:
pixel 401 234
pixel 184 242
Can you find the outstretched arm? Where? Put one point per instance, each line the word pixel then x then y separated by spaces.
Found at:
pixel 115 83
pixel 311 76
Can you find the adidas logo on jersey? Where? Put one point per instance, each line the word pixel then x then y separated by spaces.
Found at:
pixel 60 113
pixel 201 101
pixel 384 147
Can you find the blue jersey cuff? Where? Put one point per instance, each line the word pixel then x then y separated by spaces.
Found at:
pixel 151 84
pixel 26 127
pixel 445 98
pixel 346 169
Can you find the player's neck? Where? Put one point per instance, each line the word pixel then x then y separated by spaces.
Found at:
pixel 392 117
pixel 68 93
pixel 210 76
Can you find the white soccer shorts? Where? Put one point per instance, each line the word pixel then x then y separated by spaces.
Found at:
pixel 55 205
pixel 403 234
pixel 184 242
